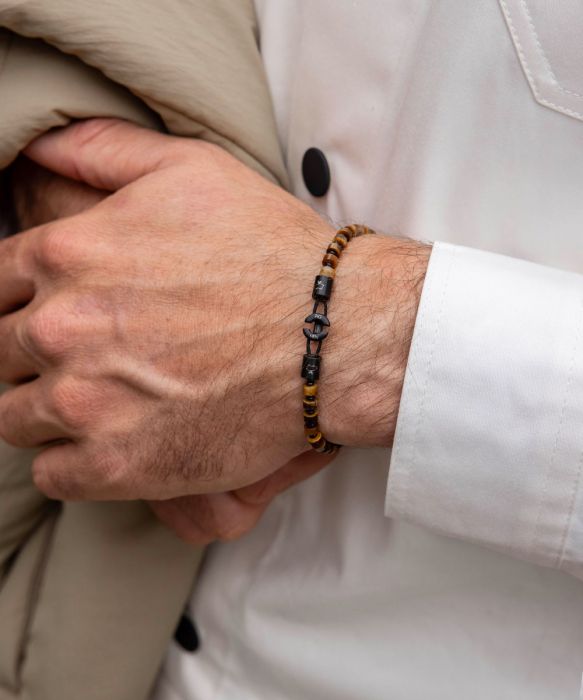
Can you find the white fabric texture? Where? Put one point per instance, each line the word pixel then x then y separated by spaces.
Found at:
pixel 459 122
pixel 489 444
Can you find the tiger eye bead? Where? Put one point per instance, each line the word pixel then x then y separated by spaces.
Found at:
pixel 314 439
pixel 321 445
pixel 341 240
pixel 311 414
pixel 334 249
pixel 331 260
pixel 310 390
pixel 328 272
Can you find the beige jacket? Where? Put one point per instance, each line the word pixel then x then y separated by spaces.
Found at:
pixel 90 593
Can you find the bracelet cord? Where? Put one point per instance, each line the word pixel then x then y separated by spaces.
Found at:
pixel 312 361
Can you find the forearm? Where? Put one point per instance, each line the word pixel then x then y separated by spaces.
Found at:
pixel 377 290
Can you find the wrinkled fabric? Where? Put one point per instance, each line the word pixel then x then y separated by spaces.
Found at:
pixel 90 593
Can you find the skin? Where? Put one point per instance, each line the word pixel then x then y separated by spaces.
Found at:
pixel 151 327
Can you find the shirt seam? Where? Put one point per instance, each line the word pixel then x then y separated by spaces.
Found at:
pixel 538 544
pixel 577 479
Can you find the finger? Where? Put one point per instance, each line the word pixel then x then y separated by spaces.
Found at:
pixel 295 471
pixel 49 461
pixel 16 281
pixel 24 418
pixel 41 196
pixel 104 153
pixel 16 364
pixel 202 519
pixel 69 472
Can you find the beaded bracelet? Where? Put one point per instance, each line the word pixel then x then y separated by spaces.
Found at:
pixel 319 318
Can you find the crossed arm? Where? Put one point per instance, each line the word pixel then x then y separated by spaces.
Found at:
pixel 153 345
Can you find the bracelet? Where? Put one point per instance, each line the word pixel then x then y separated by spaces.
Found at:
pixel 312 361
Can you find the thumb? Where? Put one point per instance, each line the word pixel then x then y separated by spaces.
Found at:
pixel 104 153
pixel 294 472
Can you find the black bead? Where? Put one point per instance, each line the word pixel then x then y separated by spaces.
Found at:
pixel 322 288
pixel 331 447
pixel 186 635
pixel 310 422
pixel 311 367
pixel 316 172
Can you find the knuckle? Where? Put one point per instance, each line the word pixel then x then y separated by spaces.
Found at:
pixel 45 332
pixel 72 403
pixel 58 250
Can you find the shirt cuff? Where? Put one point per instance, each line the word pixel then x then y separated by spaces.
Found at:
pixel 489 441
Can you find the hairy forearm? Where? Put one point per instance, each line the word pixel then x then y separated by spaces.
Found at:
pixel 373 310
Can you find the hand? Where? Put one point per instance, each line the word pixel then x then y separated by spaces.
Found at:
pixel 41 196
pixel 163 325
pixel 203 518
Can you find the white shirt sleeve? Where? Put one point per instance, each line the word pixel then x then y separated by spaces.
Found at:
pixel 489 442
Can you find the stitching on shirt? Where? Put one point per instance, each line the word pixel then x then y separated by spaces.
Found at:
pixel 538 543
pixel 529 74
pixel 428 364
pixel 561 557
pixel 543 53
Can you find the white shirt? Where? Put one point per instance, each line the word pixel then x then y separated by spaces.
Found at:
pixel 460 122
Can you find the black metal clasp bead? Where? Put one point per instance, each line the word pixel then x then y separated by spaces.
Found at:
pixel 311 367
pixel 322 288
pixel 319 332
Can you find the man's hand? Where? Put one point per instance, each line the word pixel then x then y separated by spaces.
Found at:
pixel 162 328
pixel 40 196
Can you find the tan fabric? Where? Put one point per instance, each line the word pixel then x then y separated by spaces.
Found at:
pixel 195 63
pixel 40 88
pixel 90 593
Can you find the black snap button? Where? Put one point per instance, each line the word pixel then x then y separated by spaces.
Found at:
pixel 316 172
pixel 186 635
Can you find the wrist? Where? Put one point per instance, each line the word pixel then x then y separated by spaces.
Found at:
pixel 372 314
